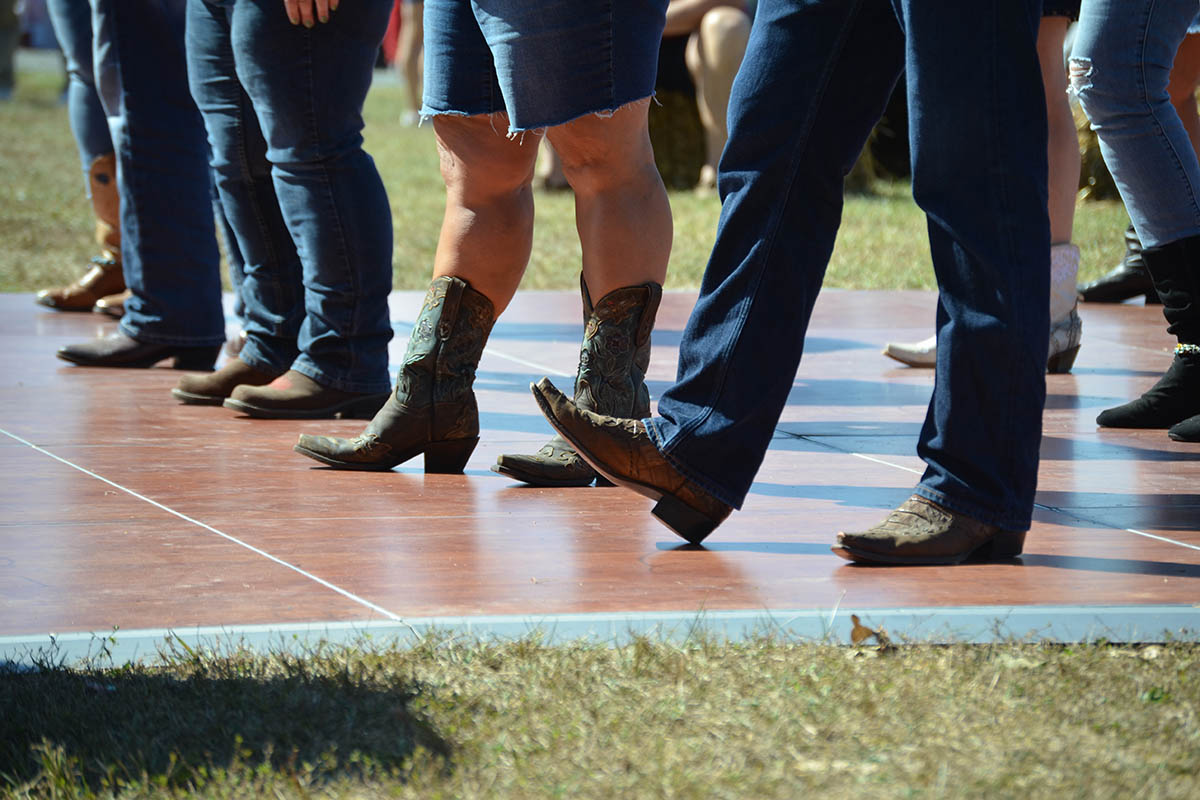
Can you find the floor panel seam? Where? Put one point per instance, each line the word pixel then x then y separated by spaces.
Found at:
pixel 258 551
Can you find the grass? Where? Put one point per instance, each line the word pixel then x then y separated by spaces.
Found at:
pixel 45 220
pixel 762 719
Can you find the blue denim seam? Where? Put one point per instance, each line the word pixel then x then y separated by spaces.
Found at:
pixel 1177 163
pixel 1011 428
pixel 802 140
pixel 338 225
pixel 264 228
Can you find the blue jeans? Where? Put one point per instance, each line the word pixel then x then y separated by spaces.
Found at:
pixel 72 21
pixel 168 240
pixel 283 108
pixel 1119 70
pixel 544 63
pixel 815 79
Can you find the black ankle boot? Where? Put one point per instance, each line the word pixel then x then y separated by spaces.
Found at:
pixel 1128 279
pixel 1173 399
pixel 1175 268
pixel 1186 431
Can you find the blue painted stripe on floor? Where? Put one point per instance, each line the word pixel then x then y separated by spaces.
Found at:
pixel 962 624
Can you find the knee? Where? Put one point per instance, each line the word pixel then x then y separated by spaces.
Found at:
pixel 1107 95
pixel 478 161
pixel 599 153
pixel 725 29
pixel 719 41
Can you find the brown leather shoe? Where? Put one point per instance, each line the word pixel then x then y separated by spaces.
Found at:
pixel 621 450
pixel 103 277
pixel 294 395
pixel 213 388
pixel 923 532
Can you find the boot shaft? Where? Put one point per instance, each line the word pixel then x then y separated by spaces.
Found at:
pixel 446 345
pixel 106 205
pixel 1175 270
pixel 1064 269
pixel 616 352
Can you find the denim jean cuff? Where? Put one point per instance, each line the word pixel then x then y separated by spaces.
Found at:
pixel 1007 521
pixel 703 482
pixel 154 337
pixel 305 366
pixel 261 358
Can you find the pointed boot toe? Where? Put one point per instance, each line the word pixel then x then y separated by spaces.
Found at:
pixel 556 464
pixel 915 354
pixel 1186 431
pixel 365 452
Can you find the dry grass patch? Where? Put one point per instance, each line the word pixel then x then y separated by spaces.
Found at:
pixel 763 719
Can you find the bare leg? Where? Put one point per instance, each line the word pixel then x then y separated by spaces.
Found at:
pixel 621 207
pixel 714 53
pixel 1064 139
pixel 409 55
pixel 487 230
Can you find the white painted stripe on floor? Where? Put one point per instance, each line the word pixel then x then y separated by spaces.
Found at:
pixel 954 624
pixel 535 366
pixel 888 463
pixel 348 595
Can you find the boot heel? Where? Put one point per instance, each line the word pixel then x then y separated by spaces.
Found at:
pixel 201 359
pixel 448 456
pixel 1004 545
pixel 683 519
pixel 1061 363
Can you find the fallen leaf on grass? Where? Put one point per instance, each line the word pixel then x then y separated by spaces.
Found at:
pixel 860 633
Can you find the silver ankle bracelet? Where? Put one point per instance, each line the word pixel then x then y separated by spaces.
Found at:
pixel 1187 349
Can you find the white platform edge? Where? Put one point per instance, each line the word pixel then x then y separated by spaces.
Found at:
pixel 961 624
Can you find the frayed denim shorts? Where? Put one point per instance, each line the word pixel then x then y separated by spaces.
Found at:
pixel 544 63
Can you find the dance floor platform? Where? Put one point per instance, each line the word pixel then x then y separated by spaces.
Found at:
pixel 122 510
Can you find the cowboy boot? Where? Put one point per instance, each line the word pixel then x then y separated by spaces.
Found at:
pixel 1127 279
pixel 611 380
pixel 432 409
pixel 104 276
pixel 1066 327
pixel 1175 268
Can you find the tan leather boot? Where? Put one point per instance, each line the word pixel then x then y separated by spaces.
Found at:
pixel 103 276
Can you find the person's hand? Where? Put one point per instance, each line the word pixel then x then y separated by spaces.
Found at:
pixel 308 12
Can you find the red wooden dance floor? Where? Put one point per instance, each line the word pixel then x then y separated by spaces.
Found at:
pixel 121 508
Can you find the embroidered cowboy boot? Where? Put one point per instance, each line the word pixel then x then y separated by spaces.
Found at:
pixel 611 380
pixel 432 410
